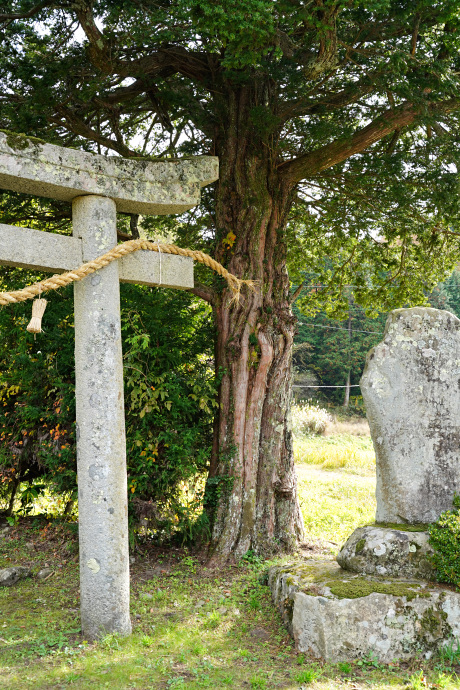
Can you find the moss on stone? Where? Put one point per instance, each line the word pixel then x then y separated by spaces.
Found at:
pixel 20 142
pixel 432 620
pixel 419 527
pixel 360 546
pixel 360 587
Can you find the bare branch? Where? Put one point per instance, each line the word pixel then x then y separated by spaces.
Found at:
pixel 325 105
pixel 79 126
pixel 413 48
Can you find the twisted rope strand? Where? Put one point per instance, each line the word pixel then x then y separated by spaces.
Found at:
pixel 61 280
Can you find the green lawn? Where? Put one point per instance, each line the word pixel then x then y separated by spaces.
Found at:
pixel 193 627
pixel 336 477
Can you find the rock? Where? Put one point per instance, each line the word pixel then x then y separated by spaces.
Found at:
pixel 146 595
pixel 339 616
pixel 44 573
pixel 377 550
pixel 410 386
pixel 260 634
pixel 222 610
pixel 9 576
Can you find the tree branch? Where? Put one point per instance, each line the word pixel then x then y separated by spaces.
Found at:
pixel 79 126
pixel 5 17
pixel 204 292
pixel 326 105
pixel 314 162
pixel 295 294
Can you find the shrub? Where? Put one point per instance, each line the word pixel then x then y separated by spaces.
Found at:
pixel 170 397
pixel 445 540
pixel 309 419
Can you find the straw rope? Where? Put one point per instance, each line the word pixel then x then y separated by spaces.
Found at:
pixel 63 279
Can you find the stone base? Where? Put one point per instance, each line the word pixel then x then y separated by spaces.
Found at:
pixel 339 616
pixel 395 551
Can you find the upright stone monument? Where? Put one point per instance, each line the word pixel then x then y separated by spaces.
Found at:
pixel 98 187
pixel 382 600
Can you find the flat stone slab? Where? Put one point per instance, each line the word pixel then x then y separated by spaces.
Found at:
pixel 339 616
pixel 137 186
pixel 46 251
pixel 379 550
pixel 411 385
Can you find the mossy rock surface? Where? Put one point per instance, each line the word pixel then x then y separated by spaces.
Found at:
pixel 389 550
pixel 339 615
pixel 402 527
pixel 20 142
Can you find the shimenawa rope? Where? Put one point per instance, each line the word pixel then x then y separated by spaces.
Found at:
pixel 63 279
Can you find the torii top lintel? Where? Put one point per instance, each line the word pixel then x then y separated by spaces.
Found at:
pixel 137 186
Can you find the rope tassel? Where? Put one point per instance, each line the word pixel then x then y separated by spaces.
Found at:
pixel 38 309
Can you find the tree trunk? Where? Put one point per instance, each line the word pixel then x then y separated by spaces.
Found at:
pixel 251 493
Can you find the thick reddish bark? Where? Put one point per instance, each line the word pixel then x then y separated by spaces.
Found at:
pixel 252 486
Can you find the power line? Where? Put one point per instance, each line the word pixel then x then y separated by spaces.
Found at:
pixel 353 385
pixel 338 328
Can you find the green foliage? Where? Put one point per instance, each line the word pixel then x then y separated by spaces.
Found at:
pixel 169 392
pixel 450 652
pixel 309 675
pixel 329 349
pixel 445 540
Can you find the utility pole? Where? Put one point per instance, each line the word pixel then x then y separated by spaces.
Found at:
pixel 346 400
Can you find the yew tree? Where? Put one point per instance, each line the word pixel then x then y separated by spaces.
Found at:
pixel 336 127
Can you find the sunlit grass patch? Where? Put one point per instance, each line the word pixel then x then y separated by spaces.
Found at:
pixel 345 451
pixel 332 508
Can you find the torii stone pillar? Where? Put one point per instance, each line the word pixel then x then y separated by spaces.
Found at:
pixel 98 187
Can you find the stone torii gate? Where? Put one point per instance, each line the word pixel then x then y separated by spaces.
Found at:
pixel 98 187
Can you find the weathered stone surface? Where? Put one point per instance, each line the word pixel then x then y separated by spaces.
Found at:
pixel 9 576
pixel 411 388
pixel 45 251
pixel 137 186
pixel 338 616
pixel 378 550
pixel 101 441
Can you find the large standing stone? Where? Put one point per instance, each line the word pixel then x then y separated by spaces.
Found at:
pixel 411 387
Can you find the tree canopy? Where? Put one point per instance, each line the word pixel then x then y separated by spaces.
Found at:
pixel 356 102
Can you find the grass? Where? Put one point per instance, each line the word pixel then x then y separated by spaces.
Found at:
pixel 336 480
pixel 333 507
pixel 208 629
pixel 347 452
pixel 193 627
